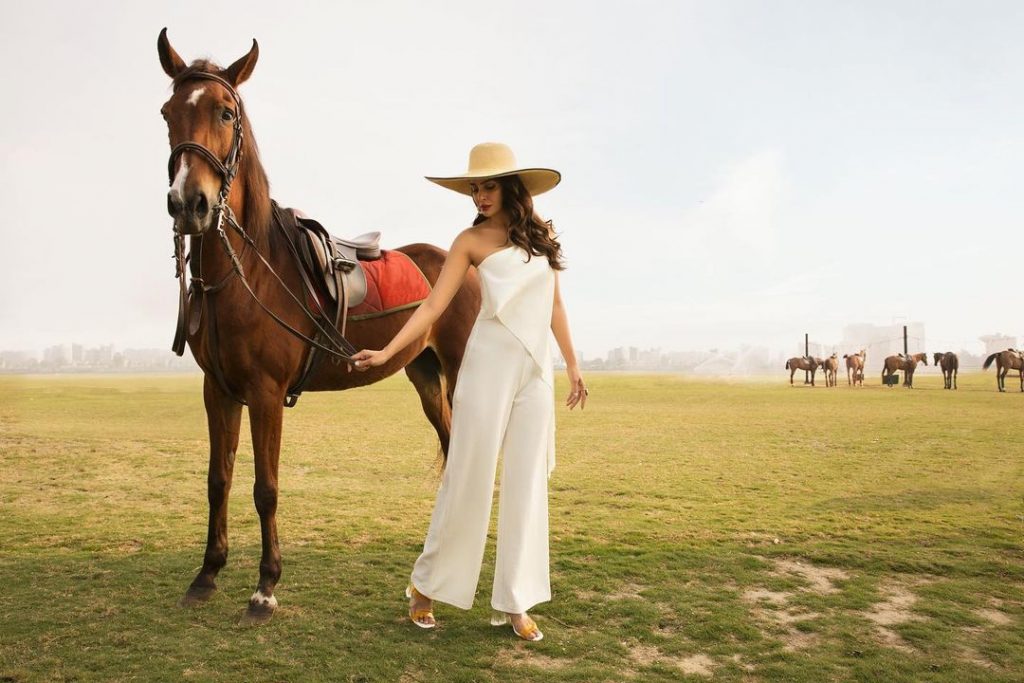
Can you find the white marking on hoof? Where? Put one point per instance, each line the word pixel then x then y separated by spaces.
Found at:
pixel 194 96
pixel 261 600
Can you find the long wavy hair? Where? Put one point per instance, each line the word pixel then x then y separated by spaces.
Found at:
pixel 524 230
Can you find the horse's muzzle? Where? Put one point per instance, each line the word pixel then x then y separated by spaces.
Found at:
pixel 191 214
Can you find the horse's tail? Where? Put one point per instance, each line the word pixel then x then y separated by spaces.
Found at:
pixel 787 365
pixel 988 361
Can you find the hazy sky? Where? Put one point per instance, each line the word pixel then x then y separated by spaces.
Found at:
pixel 734 172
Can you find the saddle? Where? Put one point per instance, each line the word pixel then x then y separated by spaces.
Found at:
pixel 325 257
pixel 332 276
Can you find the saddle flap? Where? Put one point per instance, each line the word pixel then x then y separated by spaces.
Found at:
pixel 326 254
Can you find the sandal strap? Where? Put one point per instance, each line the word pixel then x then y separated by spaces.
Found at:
pixel 529 629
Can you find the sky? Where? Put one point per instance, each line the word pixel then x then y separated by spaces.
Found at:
pixel 734 173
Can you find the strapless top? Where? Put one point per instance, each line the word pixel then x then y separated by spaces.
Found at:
pixel 520 293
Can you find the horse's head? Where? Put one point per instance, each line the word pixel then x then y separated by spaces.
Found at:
pixel 204 124
pixel 938 357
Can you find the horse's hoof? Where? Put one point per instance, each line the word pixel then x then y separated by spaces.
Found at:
pixel 197 595
pixel 261 609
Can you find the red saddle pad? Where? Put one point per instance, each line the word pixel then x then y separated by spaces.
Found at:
pixel 393 283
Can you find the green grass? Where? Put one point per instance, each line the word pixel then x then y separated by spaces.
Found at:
pixel 674 501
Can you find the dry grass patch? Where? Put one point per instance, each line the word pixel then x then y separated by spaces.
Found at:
pixel 764 595
pixel 820 578
pixel 522 655
pixel 693 665
pixel 771 607
pixel 895 609
pixel 628 591
pixel 993 616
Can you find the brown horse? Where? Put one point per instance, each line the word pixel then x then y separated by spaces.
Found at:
pixel 246 356
pixel 831 366
pixel 905 363
pixel 806 363
pixel 1007 360
pixel 855 367
pixel 949 364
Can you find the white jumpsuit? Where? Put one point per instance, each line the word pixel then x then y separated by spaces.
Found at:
pixel 503 401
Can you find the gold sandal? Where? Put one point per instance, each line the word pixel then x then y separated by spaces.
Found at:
pixel 530 631
pixel 424 618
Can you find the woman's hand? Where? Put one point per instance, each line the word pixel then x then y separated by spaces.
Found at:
pixel 577 390
pixel 368 358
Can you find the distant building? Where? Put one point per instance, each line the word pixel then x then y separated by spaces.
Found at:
pixel 998 342
pixel 57 356
pixel 18 360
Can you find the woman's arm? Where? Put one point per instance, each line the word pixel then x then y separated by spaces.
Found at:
pixel 560 327
pixel 453 272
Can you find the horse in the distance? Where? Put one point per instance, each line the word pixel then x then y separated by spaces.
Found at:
pixel 905 363
pixel 252 354
pixel 911 367
pixel 855 367
pixel 831 367
pixel 806 363
pixel 950 364
pixel 1007 360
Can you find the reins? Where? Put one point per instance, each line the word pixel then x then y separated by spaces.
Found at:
pixel 187 325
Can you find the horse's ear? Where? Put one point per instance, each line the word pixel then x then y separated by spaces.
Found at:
pixel 169 59
pixel 239 72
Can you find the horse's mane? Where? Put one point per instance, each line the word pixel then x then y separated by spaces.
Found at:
pixel 256 202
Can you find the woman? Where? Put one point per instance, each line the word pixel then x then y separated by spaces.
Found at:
pixel 503 398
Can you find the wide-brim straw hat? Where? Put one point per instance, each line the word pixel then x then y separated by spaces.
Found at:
pixel 495 160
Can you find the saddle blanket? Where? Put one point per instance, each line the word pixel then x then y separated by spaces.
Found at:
pixel 393 283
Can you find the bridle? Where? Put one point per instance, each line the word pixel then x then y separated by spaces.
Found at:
pixel 228 169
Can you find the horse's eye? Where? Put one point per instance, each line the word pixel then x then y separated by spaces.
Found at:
pixel 227 116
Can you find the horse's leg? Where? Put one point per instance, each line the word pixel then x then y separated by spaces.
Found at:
pixel 223 416
pixel 955 372
pixel 265 414
pixel 425 373
pixel 1001 378
pixel 791 373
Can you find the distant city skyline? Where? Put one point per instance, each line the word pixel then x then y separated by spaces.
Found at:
pixel 878 340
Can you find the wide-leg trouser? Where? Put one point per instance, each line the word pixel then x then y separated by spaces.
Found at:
pixel 501 404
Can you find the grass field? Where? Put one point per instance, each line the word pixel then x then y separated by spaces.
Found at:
pixel 723 531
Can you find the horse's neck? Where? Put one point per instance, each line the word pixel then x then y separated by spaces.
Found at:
pixel 215 262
